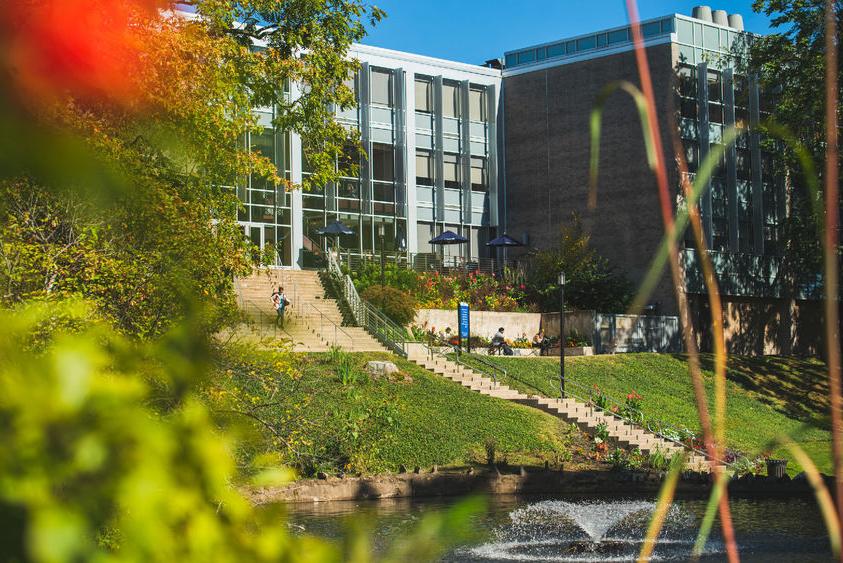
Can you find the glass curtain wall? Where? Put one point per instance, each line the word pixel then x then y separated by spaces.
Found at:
pixel 347 201
pixel 747 163
pixel 266 215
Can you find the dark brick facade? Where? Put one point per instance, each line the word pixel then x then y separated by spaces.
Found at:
pixel 547 143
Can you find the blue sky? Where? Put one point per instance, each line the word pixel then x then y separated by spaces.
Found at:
pixel 473 31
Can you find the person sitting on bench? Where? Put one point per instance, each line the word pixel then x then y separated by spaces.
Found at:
pixel 498 343
pixel 541 342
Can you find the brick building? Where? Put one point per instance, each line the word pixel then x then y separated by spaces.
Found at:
pixel 549 91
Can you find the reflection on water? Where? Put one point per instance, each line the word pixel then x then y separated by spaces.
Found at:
pixel 581 529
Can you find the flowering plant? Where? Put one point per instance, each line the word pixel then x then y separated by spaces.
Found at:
pixel 598 398
pixel 632 407
pixel 483 292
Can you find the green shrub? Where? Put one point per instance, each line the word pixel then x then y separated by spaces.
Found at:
pixel 369 274
pixel 398 305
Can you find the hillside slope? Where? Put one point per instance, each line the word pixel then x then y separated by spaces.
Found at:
pixel 322 412
pixel 766 396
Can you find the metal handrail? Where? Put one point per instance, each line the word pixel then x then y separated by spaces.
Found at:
pixel 651 424
pixel 435 344
pixel 266 319
pixel 385 330
pixel 654 425
pixel 322 319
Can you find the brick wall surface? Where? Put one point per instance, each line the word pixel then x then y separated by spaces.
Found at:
pixel 547 155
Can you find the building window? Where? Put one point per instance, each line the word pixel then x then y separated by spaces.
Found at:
pixel 479 177
pixel 381 93
pixel 688 108
pixel 586 43
pixel 348 163
pixel 264 144
pixel 651 29
pixel 692 155
pixel 556 50
pixel 715 87
pixel 424 96
pixel 526 56
pixel 743 164
pixel 424 168
pixel 349 189
pixel 351 84
pixel 688 81
pixel 450 100
pixel 477 104
pixel 715 113
pixel 383 162
pixel 384 192
pixel 619 36
pixel 451 170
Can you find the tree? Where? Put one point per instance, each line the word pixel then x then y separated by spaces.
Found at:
pixel 791 66
pixel 590 282
pixel 126 154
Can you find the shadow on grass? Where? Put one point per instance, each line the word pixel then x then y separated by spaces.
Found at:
pixel 795 387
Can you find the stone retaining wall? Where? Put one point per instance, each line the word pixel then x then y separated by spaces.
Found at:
pixel 538 481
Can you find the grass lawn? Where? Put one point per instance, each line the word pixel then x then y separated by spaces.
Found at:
pixel 315 422
pixel 766 396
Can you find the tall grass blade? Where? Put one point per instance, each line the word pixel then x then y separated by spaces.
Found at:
pixel 596 125
pixel 710 511
pixel 668 490
pixel 671 238
pixel 676 272
pixel 826 504
pixel 832 219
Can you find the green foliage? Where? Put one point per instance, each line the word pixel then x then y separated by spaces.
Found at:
pixel 138 218
pixel 598 398
pixel 590 282
pixel 621 460
pixel 791 66
pixel 377 424
pixel 432 290
pixel 398 305
pixel 766 395
pixel 106 450
pixel 601 433
pixel 483 292
pixel 369 274
pixel 344 367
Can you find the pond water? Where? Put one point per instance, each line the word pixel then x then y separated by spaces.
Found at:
pixel 573 529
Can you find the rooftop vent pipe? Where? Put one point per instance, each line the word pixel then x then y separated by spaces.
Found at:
pixel 736 21
pixel 702 13
pixel 720 17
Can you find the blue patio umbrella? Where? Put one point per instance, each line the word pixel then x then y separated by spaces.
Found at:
pixel 504 241
pixel 336 229
pixel 448 237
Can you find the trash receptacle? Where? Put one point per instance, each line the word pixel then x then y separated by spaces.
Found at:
pixel 776 468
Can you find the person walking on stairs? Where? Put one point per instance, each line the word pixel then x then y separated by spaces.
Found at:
pixel 279 301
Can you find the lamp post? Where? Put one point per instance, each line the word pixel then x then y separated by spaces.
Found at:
pixel 562 335
pixel 383 260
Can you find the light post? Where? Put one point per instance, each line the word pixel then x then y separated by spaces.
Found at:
pixel 562 335
pixel 383 260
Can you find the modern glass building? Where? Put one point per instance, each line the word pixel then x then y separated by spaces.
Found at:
pixel 430 163
pixel 481 151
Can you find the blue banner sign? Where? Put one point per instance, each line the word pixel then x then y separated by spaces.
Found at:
pixel 464 321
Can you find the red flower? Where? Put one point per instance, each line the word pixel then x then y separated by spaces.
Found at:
pixel 88 48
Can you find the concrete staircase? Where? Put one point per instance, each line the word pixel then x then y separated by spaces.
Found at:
pixel 313 321
pixel 587 418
